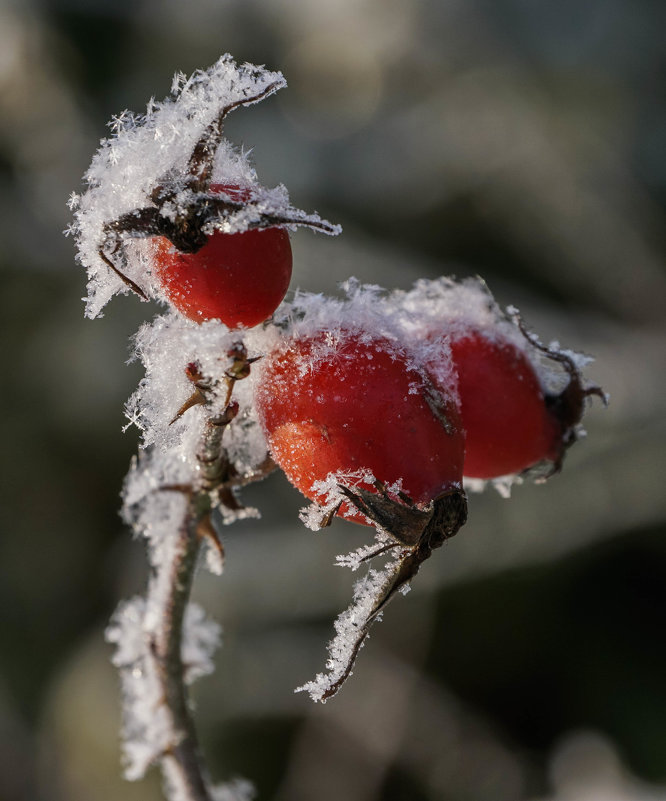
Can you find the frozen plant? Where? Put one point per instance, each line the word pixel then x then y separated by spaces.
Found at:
pixel 166 193
pixel 373 404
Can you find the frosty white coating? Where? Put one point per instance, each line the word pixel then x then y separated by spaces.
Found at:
pixel 165 347
pixel 456 308
pixel 147 729
pixel 156 148
pixel 350 632
pixel 147 150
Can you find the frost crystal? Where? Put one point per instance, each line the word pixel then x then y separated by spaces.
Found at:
pixel 166 347
pixel 170 459
pixel 148 152
pixel 235 790
pixel 148 730
pixel 330 497
pixel 351 631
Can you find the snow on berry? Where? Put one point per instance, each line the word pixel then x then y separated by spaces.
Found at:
pixel 356 404
pixel 521 402
pixel 153 177
pixel 374 404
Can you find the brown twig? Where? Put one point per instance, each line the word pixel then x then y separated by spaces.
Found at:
pixel 171 583
pixel 184 756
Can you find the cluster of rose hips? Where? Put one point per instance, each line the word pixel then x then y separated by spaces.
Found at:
pixel 368 401
pixel 374 401
pixel 376 417
pixel 364 402
pixel 418 411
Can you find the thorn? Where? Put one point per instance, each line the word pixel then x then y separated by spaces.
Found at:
pixel 327 518
pixel 206 531
pixel 227 415
pixel 197 398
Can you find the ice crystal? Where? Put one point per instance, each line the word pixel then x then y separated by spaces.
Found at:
pixel 148 730
pixel 351 632
pixel 234 790
pixel 151 150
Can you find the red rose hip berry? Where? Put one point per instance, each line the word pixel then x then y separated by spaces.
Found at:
pixel 510 423
pixel 507 424
pixel 358 405
pixel 238 278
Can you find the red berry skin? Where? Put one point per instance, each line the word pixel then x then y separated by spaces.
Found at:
pixel 507 425
pixel 358 407
pixel 239 279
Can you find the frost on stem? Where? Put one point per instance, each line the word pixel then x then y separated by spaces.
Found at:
pixel 170 173
pixel 200 444
pixel 410 533
pixel 234 790
pixel 148 730
pixel 351 631
pixel 153 176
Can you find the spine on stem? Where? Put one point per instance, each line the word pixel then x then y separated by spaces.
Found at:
pixel 164 641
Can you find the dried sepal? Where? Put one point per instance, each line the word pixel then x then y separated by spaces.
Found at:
pixel 166 160
pixel 567 406
pixel 415 533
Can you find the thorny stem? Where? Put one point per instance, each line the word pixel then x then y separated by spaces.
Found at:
pixel 182 763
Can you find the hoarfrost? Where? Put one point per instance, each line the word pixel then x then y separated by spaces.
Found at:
pixel 148 730
pixel 166 347
pixel 152 150
pixel 177 790
pixel 332 500
pixel 156 506
pixel 354 559
pixel 352 625
pixel 351 631
pixel 235 790
pixel 364 311
pixel 329 497
pixel 202 638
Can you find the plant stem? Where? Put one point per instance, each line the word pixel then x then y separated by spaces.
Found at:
pixel 183 765
pixel 213 484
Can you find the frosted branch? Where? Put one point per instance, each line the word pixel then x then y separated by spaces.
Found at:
pixel 439 522
pixel 163 642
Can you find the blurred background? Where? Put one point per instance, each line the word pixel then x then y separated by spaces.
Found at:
pixel 522 140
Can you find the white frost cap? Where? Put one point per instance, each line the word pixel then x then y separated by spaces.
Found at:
pixel 152 149
pixel 454 307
